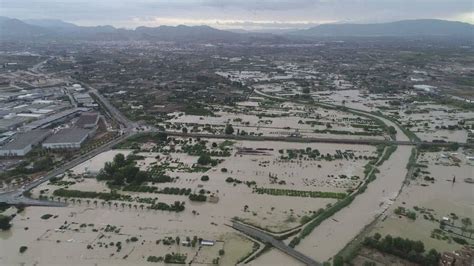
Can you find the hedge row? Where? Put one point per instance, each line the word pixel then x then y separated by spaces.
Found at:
pixel 300 193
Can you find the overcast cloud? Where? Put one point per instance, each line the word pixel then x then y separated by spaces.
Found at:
pixel 246 14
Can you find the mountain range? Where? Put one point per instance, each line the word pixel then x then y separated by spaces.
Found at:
pixel 404 28
pixel 50 29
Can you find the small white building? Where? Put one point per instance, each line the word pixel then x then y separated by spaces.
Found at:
pixel 209 243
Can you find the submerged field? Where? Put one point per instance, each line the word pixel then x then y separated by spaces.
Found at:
pixel 272 185
pixel 431 195
pixel 268 118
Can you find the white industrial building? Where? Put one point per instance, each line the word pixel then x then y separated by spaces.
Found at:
pixel 88 120
pixel 22 143
pixel 69 138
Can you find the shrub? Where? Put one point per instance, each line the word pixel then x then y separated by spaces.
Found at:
pixel 460 241
pixel 299 193
pixel 204 159
pixel 229 130
pixel 5 222
pixel 89 194
pixel 154 259
pixel 404 248
pixel 338 261
pixel 205 178
pixel 23 249
pixel 411 215
pixel 197 197
pixel 46 216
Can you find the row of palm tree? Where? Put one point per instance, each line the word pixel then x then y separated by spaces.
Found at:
pixel 102 203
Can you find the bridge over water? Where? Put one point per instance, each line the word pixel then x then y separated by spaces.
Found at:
pixel 266 238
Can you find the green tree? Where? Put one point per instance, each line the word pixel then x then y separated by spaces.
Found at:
pixel 377 236
pixel 338 261
pixel 418 247
pixel 119 160
pixel 392 130
pixel 23 249
pixel 5 222
pixel 466 223
pixel 432 258
pixel 229 130
pixel 204 159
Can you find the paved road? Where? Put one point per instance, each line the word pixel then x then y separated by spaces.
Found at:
pixel 266 238
pixel 19 199
pixel 306 140
pixel 36 68
pixel 127 124
pixel 16 196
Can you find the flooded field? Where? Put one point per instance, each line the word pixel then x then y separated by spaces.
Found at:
pixel 82 234
pixel 330 237
pixel 282 119
pixel 431 196
pixel 250 181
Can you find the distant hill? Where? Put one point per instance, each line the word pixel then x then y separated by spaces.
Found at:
pixel 48 29
pixel 52 29
pixel 51 23
pixel 404 28
pixel 185 33
pixel 11 28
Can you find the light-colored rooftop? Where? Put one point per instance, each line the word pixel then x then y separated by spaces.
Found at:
pixel 68 135
pixel 22 140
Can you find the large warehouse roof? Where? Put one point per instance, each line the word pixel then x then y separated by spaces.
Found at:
pixel 68 135
pixel 22 140
pixel 87 119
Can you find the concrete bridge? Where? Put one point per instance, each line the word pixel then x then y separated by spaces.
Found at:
pixel 266 238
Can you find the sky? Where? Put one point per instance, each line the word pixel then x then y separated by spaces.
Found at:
pixel 236 14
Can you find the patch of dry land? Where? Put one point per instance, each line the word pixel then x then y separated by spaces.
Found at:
pixel 158 202
pixel 432 196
